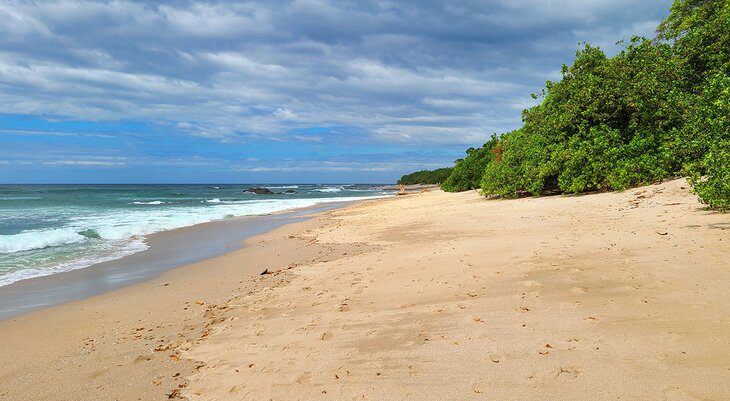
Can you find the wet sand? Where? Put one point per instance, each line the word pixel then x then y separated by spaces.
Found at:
pixel 166 250
pixel 426 296
pixel 126 344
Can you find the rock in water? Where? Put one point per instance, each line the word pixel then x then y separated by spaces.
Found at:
pixel 260 191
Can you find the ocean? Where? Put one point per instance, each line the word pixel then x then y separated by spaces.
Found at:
pixel 47 229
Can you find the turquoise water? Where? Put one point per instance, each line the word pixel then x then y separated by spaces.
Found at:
pixel 46 229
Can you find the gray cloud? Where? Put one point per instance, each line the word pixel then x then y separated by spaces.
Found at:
pixel 393 71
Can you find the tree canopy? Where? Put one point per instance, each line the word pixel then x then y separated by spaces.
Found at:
pixel 426 177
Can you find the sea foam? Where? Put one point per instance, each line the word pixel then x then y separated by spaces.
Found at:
pixel 129 248
pixel 38 239
pixel 125 224
pixel 120 232
pixel 329 189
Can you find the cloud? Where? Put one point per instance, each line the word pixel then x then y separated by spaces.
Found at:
pixel 392 72
pixel 83 163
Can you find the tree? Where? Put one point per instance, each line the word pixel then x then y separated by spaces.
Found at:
pixel 468 172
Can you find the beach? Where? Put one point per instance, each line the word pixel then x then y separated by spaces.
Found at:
pixel 427 296
pixel 165 250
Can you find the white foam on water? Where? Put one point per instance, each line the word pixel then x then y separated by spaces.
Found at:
pixel 20 197
pixel 129 248
pixel 147 203
pixel 124 230
pixel 329 190
pixel 129 223
pixel 39 239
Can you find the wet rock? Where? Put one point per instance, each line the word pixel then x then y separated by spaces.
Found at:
pixel 259 191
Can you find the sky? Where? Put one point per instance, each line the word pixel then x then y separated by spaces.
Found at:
pixel 278 91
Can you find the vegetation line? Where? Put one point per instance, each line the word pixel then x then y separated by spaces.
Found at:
pixel 659 108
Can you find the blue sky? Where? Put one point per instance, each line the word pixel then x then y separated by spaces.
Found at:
pixel 278 91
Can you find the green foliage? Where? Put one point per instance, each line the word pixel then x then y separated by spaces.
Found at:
pixel 700 30
pixel 515 168
pixel 710 174
pixel 467 173
pixel 604 125
pixel 426 176
pixel 714 188
pixel 655 110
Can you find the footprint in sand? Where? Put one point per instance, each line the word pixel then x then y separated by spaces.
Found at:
pixel 569 371
pixel 237 388
pixel 304 378
pixel 344 306
pixel 575 304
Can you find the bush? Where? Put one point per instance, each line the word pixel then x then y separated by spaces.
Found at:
pixel 604 126
pixel 517 166
pixel 714 188
pixel 467 172
pixel 657 109
pixel 710 175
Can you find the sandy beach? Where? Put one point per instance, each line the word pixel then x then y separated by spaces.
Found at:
pixel 428 296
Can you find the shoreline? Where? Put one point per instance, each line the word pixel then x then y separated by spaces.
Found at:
pixel 429 296
pixel 141 329
pixel 166 250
